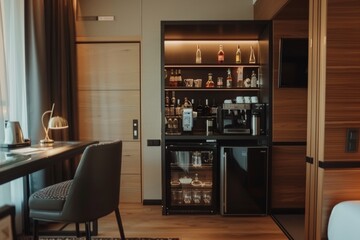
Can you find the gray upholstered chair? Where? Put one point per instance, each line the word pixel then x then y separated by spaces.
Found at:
pixel 92 194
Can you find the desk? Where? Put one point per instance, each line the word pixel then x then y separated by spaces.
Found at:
pixel 20 162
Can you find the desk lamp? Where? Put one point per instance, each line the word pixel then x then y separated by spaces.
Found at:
pixel 53 123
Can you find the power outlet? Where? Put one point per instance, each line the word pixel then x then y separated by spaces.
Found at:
pixel 352 140
pixel 153 142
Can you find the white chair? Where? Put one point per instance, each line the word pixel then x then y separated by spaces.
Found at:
pixel 344 222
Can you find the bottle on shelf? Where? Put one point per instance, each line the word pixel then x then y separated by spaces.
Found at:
pixel 219 82
pixel 209 83
pixel 179 79
pixel 240 78
pixel 252 58
pixel 238 55
pixel 221 54
pixel 199 108
pixel 253 80
pixel 229 83
pixel 172 80
pixel 172 104
pixel 198 59
pixel 187 103
pixel 206 110
pixel 167 104
pixel 214 108
pixel 193 104
pixel 178 109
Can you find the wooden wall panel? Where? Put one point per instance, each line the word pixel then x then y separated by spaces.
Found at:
pixel 108 115
pixel 117 66
pixel 288 177
pixel 289 104
pixel 339 185
pixel 109 100
pixel 266 10
pixel 335 142
pixel 130 191
pixel 343 33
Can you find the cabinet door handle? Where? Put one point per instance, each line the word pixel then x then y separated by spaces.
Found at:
pixel 225 183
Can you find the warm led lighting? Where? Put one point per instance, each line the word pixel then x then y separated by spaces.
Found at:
pixel 53 123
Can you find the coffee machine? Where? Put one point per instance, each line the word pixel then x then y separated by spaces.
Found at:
pixel 234 118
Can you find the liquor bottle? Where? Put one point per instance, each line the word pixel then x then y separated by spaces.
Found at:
pixel 167 104
pixel 229 79
pixel 221 54
pixel 253 79
pixel 238 55
pixel 172 104
pixel 172 80
pixel 187 103
pixel 198 55
pixel 193 104
pixel 252 58
pixel 239 80
pixel 178 109
pixel 199 108
pixel 207 110
pixel 209 83
pixel 214 108
pixel 179 79
pixel 219 82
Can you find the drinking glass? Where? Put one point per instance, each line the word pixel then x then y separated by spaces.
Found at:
pixel 206 195
pixel 187 196
pixel 196 196
pixel 177 196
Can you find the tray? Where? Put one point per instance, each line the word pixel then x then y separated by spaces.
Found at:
pixel 16 145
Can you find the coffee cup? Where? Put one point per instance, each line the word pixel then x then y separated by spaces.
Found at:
pixel 189 82
pixel 198 83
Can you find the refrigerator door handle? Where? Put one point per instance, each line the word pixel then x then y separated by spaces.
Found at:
pixel 225 183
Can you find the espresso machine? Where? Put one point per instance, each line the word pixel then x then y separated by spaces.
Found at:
pixel 234 118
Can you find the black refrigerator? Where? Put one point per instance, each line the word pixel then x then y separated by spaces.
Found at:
pixel 190 178
pixel 243 180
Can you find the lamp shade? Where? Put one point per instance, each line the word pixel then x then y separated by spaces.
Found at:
pixel 57 123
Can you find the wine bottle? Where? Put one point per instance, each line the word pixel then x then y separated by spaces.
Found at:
pixel 214 108
pixel 172 82
pixel 179 79
pixel 221 54
pixel 206 110
pixel 167 104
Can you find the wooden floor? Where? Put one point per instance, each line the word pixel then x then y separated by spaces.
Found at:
pixel 148 221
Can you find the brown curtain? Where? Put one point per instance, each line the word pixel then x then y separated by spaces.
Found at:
pixel 51 76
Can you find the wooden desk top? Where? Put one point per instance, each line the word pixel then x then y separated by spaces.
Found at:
pixel 15 163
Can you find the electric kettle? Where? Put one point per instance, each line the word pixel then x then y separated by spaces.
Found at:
pixel 13 133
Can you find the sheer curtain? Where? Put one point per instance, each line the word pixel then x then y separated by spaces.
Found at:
pixel 13 88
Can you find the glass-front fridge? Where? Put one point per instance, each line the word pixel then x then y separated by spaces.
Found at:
pixel 190 179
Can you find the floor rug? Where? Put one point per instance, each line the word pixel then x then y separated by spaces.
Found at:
pixel 94 238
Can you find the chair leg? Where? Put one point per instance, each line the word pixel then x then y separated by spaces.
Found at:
pixel 77 227
pixel 35 230
pixel 120 226
pixel 88 231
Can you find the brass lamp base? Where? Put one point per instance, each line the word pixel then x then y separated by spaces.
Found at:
pixel 46 141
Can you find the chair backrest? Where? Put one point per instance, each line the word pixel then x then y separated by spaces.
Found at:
pixel 94 192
